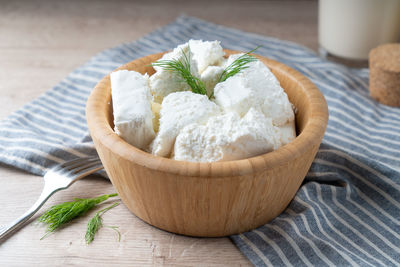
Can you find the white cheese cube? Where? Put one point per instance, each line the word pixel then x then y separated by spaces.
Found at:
pixel 206 143
pixel 276 104
pixel 277 107
pixel 259 135
pixel 206 53
pixel 227 137
pixel 260 78
pixel 178 110
pixel 163 82
pixel 210 77
pixel 133 116
pixel 257 87
pixel 233 95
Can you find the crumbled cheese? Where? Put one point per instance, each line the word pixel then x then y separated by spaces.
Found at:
pixel 265 85
pixel 250 114
pixel 233 95
pixel 255 86
pixel 206 53
pixel 210 77
pixel 277 107
pixel 163 82
pixel 178 110
pixel 132 110
pixel 227 137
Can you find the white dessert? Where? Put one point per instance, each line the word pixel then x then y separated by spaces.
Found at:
pixel 131 105
pixel 248 115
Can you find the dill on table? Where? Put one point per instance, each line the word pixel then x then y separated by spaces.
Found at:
pixel 96 223
pixel 238 65
pixel 183 69
pixel 63 213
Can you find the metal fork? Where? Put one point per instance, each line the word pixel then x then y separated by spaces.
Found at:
pixel 58 178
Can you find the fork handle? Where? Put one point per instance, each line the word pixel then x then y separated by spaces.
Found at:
pixel 14 225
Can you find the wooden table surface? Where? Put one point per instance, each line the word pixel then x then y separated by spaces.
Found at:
pixel 40 43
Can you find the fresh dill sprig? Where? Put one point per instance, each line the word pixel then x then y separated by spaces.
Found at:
pixel 238 65
pixel 96 223
pixel 183 69
pixel 63 213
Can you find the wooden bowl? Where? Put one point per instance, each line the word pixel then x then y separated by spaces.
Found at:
pixel 209 199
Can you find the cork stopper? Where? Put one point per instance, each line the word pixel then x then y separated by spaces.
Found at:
pixel 384 74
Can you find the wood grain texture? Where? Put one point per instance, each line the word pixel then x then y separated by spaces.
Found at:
pixel 210 199
pixel 43 41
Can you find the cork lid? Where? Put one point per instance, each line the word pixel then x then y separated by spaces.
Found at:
pixel 386 57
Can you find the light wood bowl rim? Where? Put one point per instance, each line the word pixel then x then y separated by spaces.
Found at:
pixel 312 133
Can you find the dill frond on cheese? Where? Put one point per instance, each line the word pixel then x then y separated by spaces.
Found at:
pixel 238 65
pixel 183 69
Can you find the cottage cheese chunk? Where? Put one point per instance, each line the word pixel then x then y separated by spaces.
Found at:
pixel 227 137
pixel 234 95
pixel 163 82
pixel 256 87
pixel 206 53
pixel 210 77
pixel 132 110
pixel 275 103
pixel 277 107
pixel 178 110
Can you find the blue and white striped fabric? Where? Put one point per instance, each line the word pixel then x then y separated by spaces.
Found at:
pixel 347 210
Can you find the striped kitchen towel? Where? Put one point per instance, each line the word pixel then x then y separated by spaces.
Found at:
pixel 347 210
